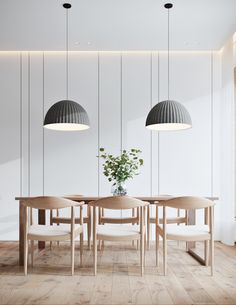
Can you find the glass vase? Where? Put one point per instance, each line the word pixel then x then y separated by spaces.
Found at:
pixel 119 188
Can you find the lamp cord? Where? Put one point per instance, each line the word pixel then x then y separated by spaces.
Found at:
pixel 67 55
pixel 168 55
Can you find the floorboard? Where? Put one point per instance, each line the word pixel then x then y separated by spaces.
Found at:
pixel 118 280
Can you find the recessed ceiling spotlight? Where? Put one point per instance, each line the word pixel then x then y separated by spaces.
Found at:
pixel 77 43
pixel 89 43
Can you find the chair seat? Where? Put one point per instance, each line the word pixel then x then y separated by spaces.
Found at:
pixel 118 232
pixel 45 232
pixel 186 232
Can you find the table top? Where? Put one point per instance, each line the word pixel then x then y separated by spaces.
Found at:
pixel 92 198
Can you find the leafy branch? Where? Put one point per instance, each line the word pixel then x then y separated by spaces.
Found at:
pixel 123 167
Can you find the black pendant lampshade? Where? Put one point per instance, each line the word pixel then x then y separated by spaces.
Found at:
pixel 66 115
pixel 168 114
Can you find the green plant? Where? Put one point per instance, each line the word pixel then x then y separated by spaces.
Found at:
pixel 123 167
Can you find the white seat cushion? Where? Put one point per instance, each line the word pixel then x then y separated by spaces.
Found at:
pixel 51 231
pixel 118 230
pixel 186 231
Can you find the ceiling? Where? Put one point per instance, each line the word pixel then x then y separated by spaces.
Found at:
pixel 116 24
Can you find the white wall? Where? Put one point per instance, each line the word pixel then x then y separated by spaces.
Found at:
pixel 227 153
pixel 117 90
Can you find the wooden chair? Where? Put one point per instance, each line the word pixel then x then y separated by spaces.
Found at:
pixel 57 219
pixel 104 219
pixel 186 232
pixel 50 233
pixel 122 232
pixel 178 219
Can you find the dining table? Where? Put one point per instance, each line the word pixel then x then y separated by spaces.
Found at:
pixel 191 246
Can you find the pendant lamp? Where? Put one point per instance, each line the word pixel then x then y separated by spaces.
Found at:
pixel 66 115
pixel 168 114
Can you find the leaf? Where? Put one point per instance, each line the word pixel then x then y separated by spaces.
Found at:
pixel 101 149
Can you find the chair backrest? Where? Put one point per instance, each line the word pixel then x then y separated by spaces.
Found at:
pixel 188 203
pixel 119 203
pixel 49 203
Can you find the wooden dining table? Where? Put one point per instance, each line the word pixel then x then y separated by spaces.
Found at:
pixel 86 199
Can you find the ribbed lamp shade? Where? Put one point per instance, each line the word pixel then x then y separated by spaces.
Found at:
pixel 66 115
pixel 168 115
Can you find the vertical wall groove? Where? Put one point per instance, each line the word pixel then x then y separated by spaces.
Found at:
pixel 121 102
pixel 29 129
pixel 158 134
pixel 21 129
pixel 151 163
pixel 151 144
pixel 98 152
pixel 121 108
pixel 43 140
pixel 212 128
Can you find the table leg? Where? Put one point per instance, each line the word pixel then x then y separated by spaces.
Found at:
pixel 192 245
pixel 41 221
pixel 21 233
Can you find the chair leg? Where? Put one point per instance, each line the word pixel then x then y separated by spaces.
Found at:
pixel 72 255
pixel 100 245
pixel 133 213
pixel 206 252
pixel 148 228
pixel 145 249
pixel 89 234
pixel 25 256
pixel 32 252
pixel 81 248
pixel 142 253
pixel 157 247
pixel 212 256
pixel 95 256
pixel 164 256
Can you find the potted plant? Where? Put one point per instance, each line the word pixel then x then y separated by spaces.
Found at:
pixel 118 169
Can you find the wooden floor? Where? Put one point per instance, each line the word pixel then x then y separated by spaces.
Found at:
pixel 118 280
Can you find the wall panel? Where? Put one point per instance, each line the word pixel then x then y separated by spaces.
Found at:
pixel 56 143
pixel 83 145
pixel 70 158
pixel 110 110
pixel 135 106
pixel 25 123
pixel 117 90
pixel 154 162
pixel 185 156
pixel 36 124
pixel 10 135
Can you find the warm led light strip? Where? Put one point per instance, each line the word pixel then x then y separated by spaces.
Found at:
pixel 117 52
